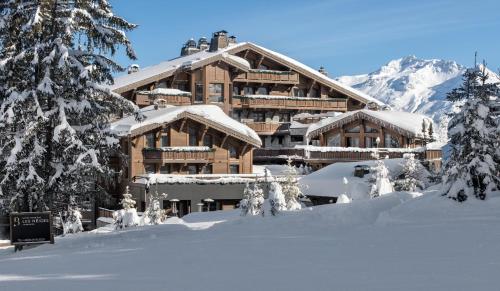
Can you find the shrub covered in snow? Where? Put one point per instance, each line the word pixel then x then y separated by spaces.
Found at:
pixel 253 200
pixel 411 176
pixel 276 199
pixel 291 189
pixel 382 185
pixel 128 215
pixel 154 214
pixel 73 223
pixel 343 198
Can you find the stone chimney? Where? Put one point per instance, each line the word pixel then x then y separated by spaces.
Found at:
pixel 219 40
pixel 189 48
pixel 203 44
pixel 323 71
pixel 232 39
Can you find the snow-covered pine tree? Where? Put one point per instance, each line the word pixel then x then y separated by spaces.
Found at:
pixel 291 189
pixel 276 198
pixel 473 167
pixel 253 200
pixel 412 170
pixel 154 214
pixel 55 62
pixel 127 216
pixel 73 222
pixel 382 185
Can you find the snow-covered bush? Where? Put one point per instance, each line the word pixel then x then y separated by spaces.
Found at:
pixel 253 200
pixel 128 215
pixel 291 189
pixel 411 175
pixel 73 222
pixel 154 214
pixel 276 199
pixel 342 199
pixel 382 185
pixel 474 163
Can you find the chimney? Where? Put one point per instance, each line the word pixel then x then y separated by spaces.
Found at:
pixel 203 44
pixel 189 48
pixel 232 39
pixel 219 40
pixel 323 71
pixel 133 68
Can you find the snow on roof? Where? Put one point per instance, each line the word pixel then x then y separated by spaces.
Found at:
pixel 169 67
pixel 210 113
pixel 405 121
pixel 167 91
pixel 294 63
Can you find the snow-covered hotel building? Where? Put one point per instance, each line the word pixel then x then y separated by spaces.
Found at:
pixel 252 105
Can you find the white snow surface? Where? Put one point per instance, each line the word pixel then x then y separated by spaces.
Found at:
pixel 167 91
pixel 329 181
pixel 394 242
pixel 168 114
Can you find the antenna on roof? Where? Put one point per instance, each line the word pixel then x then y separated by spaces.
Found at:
pixel 475 59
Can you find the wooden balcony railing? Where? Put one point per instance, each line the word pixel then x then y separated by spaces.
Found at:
pixel 181 156
pixel 268 76
pixel 268 128
pixel 289 103
pixel 143 99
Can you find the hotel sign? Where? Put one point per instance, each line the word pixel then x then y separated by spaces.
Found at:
pixel 31 228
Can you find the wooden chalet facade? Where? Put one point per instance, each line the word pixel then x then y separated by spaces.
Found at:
pixel 254 85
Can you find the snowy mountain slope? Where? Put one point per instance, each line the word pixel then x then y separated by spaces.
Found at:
pixel 414 85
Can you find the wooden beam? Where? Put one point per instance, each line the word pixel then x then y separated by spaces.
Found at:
pixel 182 124
pixel 203 132
pixel 259 62
pixel 224 140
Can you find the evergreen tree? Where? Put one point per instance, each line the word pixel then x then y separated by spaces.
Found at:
pixel 473 167
pixel 55 105
pixel 154 214
pixel 73 223
pixel 291 188
pixel 382 185
pixel 127 216
pixel 276 199
pixel 412 172
pixel 253 200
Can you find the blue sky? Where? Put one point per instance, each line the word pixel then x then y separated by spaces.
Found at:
pixel 346 37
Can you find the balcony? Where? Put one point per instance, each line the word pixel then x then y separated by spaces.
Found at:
pixel 146 98
pixel 268 76
pixel 179 155
pixel 268 128
pixel 284 102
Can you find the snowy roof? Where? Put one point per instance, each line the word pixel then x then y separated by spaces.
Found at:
pixel 198 59
pixel 208 114
pixel 403 122
pixel 167 91
pixel 167 68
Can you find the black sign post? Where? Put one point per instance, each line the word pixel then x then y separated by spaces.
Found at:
pixel 28 228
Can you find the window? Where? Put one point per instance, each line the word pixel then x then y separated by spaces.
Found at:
pixel 259 116
pixel 216 92
pixel 237 115
pixel 192 169
pixel 207 140
pixel 352 141
pixel 198 96
pixel 391 141
pixel 284 117
pixel 162 84
pixel 236 90
pixel 165 141
pixel 262 67
pixel 296 138
pixel 333 140
pixel 353 129
pixel 150 168
pixel 233 153
pixel 247 90
pixel 371 142
pixel 193 136
pixel 313 93
pixel 182 86
pixel 234 169
pixel 150 140
pixel 298 92
pixel 165 169
pixel 370 129
pixel 206 169
pixel 262 91
pixel 280 140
